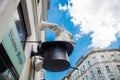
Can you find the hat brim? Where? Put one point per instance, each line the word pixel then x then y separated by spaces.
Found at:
pixel 62 44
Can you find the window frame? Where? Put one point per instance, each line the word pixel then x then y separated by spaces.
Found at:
pixel 20 24
pixel 98 70
pixel 118 67
pixel 108 69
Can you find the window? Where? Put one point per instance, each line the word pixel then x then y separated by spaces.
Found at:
pixel 112 79
pixel 75 75
pixel 89 63
pixel 118 66
pixel 94 59
pixel 78 73
pixel 19 21
pixel 84 67
pixel 108 69
pixel 72 78
pixel 98 70
pixel 92 75
pixel 8 71
pixel 5 73
pixel 119 55
pixel 101 78
pixel 86 77
pixel 102 56
pixel 83 78
pixel 113 57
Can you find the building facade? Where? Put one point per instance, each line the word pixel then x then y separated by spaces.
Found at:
pixel 19 23
pixel 97 65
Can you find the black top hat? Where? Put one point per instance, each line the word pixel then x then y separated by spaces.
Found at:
pixel 55 54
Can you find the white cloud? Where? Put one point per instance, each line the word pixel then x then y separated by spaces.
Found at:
pixel 64 8
pixel 77 36
pixel 99 17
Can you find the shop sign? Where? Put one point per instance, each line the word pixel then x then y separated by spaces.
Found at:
pixel 13 47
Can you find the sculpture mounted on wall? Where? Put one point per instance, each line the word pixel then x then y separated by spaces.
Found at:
pixel 55 53
pixel 61 33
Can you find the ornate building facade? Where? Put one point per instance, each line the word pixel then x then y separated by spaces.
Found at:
pixel 97 65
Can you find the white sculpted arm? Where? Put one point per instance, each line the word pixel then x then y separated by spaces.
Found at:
pixel 61 34
pixel 53 27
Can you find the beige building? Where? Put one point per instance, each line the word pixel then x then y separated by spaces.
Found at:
pixel 20 22
pixel 97 65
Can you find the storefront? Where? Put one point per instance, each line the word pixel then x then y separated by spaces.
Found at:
pixel 12 57
pixel 20 21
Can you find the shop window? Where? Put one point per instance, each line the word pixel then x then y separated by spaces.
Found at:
pixel 20 24
pixel 5 73
pixel 8 70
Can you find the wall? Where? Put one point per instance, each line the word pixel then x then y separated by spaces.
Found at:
pixel 33 14
pixel 7 8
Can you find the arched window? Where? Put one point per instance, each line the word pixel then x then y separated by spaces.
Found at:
pixel 112 77
pixel 101 78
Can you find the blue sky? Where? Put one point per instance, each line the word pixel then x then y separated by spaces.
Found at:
pixel 93 24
